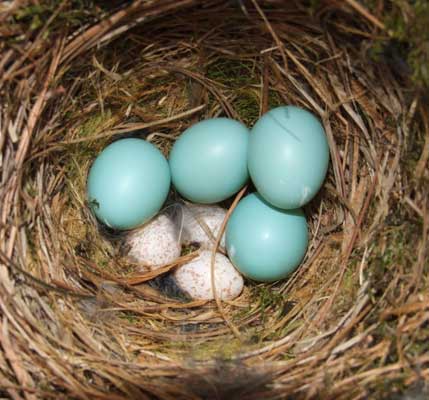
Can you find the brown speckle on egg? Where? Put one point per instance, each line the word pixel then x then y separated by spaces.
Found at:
pixel 194 277
pixel 197 219
pixel 154 244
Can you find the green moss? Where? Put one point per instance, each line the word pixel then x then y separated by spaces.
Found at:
pixel 268 299
pixel 414 31
pixel 240 78
pixel 247 106
pixel 218 349
pixel 274 99
pixel 407 23
pixel 350 282
pixel 129 316
pixel 232 73
pixel 385 260
pixel 83 236
pixel 421 346
pixel 392 253
pixel 72 16
pixel 94 124
pixel 188 249
pixel 314 6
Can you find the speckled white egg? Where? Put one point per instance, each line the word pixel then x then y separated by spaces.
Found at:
pixel 197 219
pixel 155 244
pixel 194 277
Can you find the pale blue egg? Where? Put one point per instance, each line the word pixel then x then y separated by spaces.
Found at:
pixel 288 156
pixel 266 243
pixel 209 160
pixel 128 183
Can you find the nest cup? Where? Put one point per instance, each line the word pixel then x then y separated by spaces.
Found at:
pixel 81 321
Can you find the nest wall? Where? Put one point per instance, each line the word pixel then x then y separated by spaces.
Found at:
pixel 80 321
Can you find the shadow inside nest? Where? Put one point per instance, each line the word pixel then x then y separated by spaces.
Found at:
pixel 230 380
pixel 166 284
pixel 418 391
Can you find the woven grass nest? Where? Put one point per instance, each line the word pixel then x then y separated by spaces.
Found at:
pixel 79 322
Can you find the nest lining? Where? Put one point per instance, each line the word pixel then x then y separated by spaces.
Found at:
pixel 84 320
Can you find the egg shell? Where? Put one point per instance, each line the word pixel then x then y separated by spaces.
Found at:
pixel 265 243
pixel 197 218
pixel 288 156
pixel 209 160
pixel 194 277
pixel 128 183
pixel 155 244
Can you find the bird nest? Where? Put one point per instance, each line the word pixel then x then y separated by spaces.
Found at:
pixel 78 320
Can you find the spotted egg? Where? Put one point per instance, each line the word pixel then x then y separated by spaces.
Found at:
pixel 155 244
pixel 201 224
pixel 194 277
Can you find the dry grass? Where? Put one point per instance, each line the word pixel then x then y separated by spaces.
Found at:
pixel 78 321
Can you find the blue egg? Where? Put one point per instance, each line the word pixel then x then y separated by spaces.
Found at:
pixel 209 161
pixel 288 156
pixel 128 183
pixel 265 243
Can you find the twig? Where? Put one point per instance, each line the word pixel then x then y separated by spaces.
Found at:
pixel 213 261
pixel 135 126
pixel 422 166
pixel 364 12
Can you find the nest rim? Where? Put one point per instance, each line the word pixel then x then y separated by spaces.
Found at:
pixel 110 319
